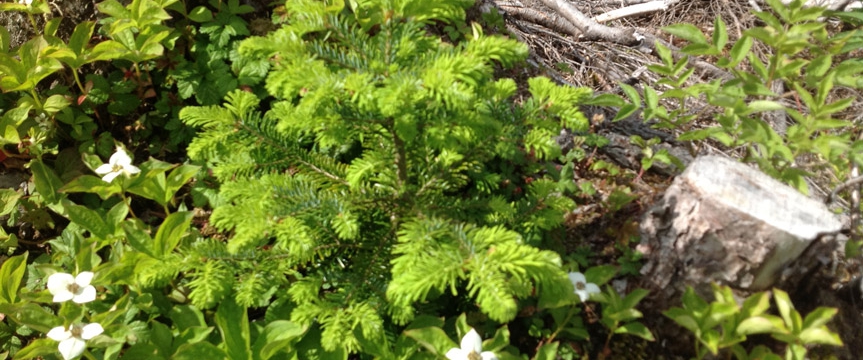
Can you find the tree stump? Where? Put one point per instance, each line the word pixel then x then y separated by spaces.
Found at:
pixel 722 221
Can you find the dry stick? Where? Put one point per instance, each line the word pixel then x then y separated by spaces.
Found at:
pixel 553 22
pixel 622 2
pixel 591 30
pixel 634 10
pixel 857 180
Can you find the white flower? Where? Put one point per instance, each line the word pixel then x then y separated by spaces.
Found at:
pixel 471 349
pixel 78 289
pixel 119 163
pixel 582 287
pixel 73 341
pixel 25 2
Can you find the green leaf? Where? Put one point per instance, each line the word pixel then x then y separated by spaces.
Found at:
pixel 818 317
pixel 687 32
pixel 637 329
pixel 600 275
pixel 434 339
pixel 699 49
pixel 116 215
pixel 739 51
pixel 786 309
pixel 177 178
pixel 820 335
pixel 37 348
pixel 757 106
pixel 81 36
pixel 664 54
pixel 186 316
pixel 87 219
pixel 5 39
pixel 682 318
pixel 634 297
pixel 92 184
pixel 765 324
pixel 198 351
pixel 625 112
pixel 606 100
pixel 819 66
pixel 9 198
pixel 547 352
pixel 171 231
pixel 12 271
pixel 113 8
pixel 192 335
pixel 499 341
pixel 233 323
pixel 201 14
pixel 138 237
pixel 720 33
pixel 55 103
pixel 47 182
pixel 834 107
pixel 631 93
pixel 31 315
pixel 755 304
pixel 277 336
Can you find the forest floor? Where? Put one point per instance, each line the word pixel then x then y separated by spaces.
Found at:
pixel 608 234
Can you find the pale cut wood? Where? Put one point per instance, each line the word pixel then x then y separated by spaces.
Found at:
pixel 634 10
pixel 722 221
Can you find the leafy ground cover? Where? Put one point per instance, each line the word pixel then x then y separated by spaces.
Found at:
pixel 362 179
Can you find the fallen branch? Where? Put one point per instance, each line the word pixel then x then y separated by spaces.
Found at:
pixel 591 30
pixel 635 10
pixel 553 22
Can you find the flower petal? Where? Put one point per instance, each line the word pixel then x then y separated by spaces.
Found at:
pixel 72 348
pixel 87 294
pixel 456 354
pixel 90 331
pixel 59 334
pixel 582 294
pixel 58 283
pixel 84 278
pixel 104 169
pixel 63 296
pixel 120 158
pixel 110 177
pixel 471 342
pixel 577 277
pixel 591 288
pixel 131 169
pixel 488 355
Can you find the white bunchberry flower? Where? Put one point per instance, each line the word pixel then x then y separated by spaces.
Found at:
pixel 582 288
pixel 119 163
pixel 64 287
pixel 74 341
pixel 471 349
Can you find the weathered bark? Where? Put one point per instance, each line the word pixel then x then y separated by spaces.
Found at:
pixel 724 222
pixel 591 30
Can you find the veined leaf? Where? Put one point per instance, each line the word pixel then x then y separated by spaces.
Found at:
pixel 687 32
pixel 12 272
pixel 171 231
pixel 47 182
pixel 233 323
